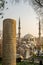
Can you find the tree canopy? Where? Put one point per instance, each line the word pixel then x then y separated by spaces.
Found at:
pixel 36 4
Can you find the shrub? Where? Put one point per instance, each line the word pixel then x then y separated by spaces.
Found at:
pixel 0 60
pixel 18 59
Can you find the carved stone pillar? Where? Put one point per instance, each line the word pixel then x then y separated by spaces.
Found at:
pixel 9 42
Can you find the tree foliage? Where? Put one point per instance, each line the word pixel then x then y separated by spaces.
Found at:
pixel 39 2
pixel 36 4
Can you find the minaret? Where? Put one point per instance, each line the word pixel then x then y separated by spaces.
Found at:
pixel 39 44
pixel 39 31
pixel 19 36
pixel 19 27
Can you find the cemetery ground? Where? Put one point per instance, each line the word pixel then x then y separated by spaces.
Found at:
pixel 27 62
pixel 24 63
pixel 0 64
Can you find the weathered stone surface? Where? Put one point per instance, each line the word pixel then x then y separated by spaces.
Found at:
pixel 9 42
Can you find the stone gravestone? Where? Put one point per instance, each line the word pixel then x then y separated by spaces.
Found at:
pixel 40 62
pixel 9 42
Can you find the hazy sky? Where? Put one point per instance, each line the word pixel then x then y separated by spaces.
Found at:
pixel 29 23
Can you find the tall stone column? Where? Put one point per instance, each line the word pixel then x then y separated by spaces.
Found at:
pixel 9 42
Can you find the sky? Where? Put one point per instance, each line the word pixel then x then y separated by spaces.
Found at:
pixel 28 18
